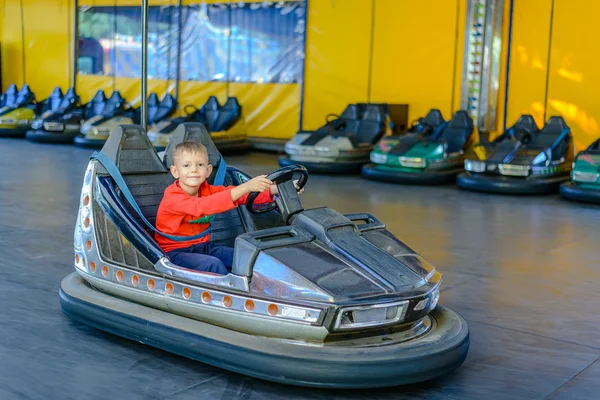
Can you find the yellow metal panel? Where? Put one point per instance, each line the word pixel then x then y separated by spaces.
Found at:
pixel 575 68
pixel 414 54
pixel 528 60
pixel 48 39
pixel 337 57
pixel 88 85
pixel 12 54
pixel 459 35
pixel 269 110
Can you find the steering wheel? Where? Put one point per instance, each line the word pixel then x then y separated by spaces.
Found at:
pixel 288 202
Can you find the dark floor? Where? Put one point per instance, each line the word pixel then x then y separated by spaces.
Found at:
pixel 524 272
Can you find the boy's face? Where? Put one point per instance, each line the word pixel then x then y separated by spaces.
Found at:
pixel 192 169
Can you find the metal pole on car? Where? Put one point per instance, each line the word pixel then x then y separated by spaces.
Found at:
pixel 76 42
pixel 144 114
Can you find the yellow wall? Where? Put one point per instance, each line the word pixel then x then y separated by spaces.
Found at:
pixel 528 60
pixel 413 45
pixel 569 75
pixel 47 43
pixel 413 57
pixel 575 68
pixel 336 72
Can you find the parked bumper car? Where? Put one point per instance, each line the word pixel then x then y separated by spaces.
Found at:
pixel 59 120
pixel 225 124
pixel 585 176
pixel 17 111
pixel 343 144
pixel 536 164
pixel 95 130
pixel 435 157
pixel 314 297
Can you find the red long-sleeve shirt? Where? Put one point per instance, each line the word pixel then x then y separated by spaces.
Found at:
pixel 177 208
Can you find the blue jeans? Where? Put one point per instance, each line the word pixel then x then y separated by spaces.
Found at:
pixel 204 257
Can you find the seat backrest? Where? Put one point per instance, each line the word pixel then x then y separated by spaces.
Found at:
pixel 55 99
pixel 350 112
pixel 9 98
pixel 164 108
pixel 372 125
pixel 210 110
pixel 525 126
pixel 553 130
pixel 114 103
pixel 434 118
pixel 152 106
pixel 96 105
pixel 24 97
pixel 147 178
pixel 228 114
pixel 68 99
pixel 458 131
pixel 195 131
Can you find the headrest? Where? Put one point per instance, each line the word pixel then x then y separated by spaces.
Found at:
pixel 57 92
pixel 526 123
pixel 25 95
pixel 231 104
pixel 167 102
pixel 99 97
pixel 211 104
pixel 197 132
pixel 373 113
pixel 434 118
pixel 12 90
pixel 351 112
pixel 460 120
pixel 131 150
pixel 554 125
pixel 69 98
pixel 153 100
pixel 115 98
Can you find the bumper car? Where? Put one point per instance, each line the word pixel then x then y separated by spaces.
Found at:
pixel 225 124
pixel 314 297
pixel 59 120
pixel 526 163
pixel 343 144
pixel 17 111
pixel 585 176
pixel 95 130
pixel 433 157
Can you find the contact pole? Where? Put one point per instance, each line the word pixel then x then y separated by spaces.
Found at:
pixel 144 119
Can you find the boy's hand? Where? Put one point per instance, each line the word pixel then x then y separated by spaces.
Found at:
pixel 258 184
pixel 275 190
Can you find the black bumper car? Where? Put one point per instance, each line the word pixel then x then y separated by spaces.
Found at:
pixel 225 124
pixel 17 111
pixel 59 120
pixel 431 158
pixel 530 162
pixel 95 131
pixel 585 178
pixel 343 144
pixel 314 297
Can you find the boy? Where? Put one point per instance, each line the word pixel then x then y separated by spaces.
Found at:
pixel 189 199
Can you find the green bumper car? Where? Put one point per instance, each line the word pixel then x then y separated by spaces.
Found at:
pixel 17 111
pixel 529 163
pixel 585 177
pixel 433 157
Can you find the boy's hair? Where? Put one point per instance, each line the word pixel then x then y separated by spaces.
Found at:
pixel 190 146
